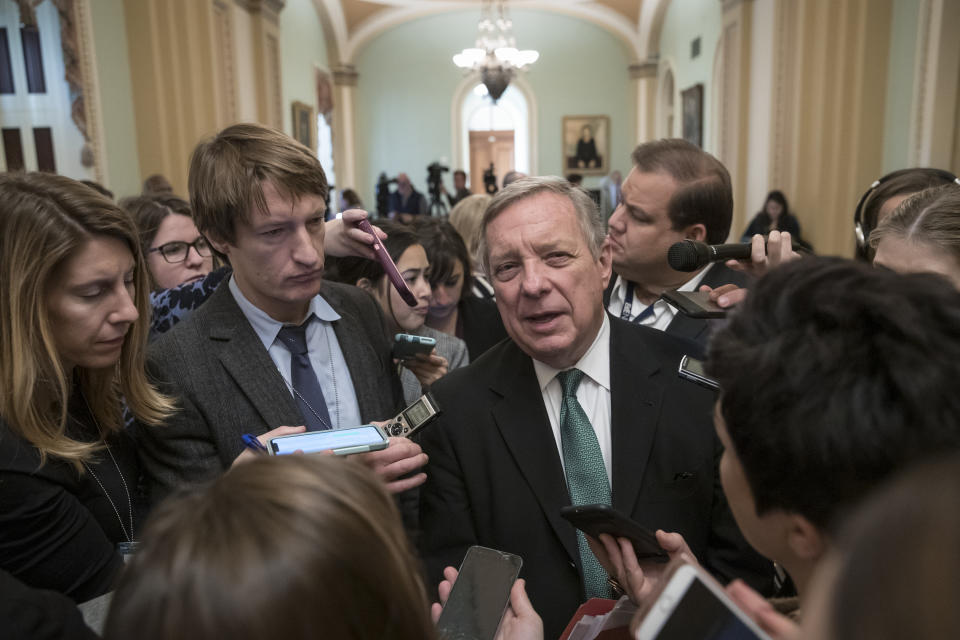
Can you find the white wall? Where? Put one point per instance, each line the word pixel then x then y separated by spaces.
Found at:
pixel 407 82
pixel 686 20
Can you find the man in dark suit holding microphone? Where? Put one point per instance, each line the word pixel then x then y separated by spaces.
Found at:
pixel 578 407
pixel 675 191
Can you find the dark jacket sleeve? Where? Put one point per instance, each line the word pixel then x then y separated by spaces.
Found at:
pixel 50 540
pixel 38 614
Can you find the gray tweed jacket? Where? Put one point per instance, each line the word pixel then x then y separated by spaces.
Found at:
pixel 226 385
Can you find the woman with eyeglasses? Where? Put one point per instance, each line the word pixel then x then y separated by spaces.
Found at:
pixel 176 253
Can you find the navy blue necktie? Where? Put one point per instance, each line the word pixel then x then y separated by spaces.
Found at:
pixel 306 386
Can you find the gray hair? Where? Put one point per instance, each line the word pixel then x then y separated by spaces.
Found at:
pixel 588 215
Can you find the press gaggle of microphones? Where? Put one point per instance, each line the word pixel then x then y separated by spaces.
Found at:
pixel 689 255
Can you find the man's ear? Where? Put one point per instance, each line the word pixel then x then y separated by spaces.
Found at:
pixel 218 243
pixel 365 284
pixel 696 232
pixel 805 539
pixel 606 263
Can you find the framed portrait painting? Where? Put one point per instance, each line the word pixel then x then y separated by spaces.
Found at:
pixel 586 144
pixel 692 101
pixel 304 125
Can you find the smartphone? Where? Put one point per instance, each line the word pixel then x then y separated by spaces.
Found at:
pixel 413 418
pixel 696 304
pixel 594 519
pixel 340 441
pixel 480 595
pixel 692 369
pixel 388 265
pixel 693 606
pixel 406 346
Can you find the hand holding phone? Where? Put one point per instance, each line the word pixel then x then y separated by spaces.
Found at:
pixel 594 519
pixel 407 346
pixel 480 595
pixel 388 265
pixel 341 442
pixel 695 304
pixel 692 605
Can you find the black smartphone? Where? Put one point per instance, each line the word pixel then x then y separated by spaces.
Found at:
pixel 692 369
pixel 480 595
pixel 406 346
pixel 594 519
pixel 696 304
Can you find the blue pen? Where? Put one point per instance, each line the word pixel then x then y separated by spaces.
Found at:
pixel 251 442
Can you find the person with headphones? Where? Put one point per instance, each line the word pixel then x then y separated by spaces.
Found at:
pixel 922 235
pixel 885 194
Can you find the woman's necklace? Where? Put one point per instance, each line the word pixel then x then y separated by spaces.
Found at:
pixel 128 534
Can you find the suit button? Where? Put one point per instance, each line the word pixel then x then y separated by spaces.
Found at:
pixel 573 565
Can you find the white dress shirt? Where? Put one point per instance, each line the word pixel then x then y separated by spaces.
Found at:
pixel 329 364
pixel 663 311
pixel 593 394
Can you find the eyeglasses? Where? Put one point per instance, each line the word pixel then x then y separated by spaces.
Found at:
pixel 177 251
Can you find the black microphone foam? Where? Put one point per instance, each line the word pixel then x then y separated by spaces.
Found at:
pixel 688 255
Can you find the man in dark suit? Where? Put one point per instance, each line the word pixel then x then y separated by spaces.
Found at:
pixel 675 191
pixel 275 345
pixel 578 407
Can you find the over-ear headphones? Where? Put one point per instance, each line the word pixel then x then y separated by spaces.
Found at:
pixel 925 177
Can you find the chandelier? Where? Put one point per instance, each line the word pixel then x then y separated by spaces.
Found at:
pixel 495 55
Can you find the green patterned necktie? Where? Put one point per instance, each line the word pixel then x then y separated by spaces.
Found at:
pixel 586 474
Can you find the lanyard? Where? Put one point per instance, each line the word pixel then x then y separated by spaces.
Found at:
pixel 628 304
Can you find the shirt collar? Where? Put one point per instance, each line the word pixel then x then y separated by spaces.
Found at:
pixel 595 363
pixel 266 327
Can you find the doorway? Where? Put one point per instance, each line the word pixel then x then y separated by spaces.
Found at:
pixel 488 147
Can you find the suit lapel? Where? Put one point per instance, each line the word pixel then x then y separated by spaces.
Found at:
pixel 635 397
pixel 241 352
pixel 522 420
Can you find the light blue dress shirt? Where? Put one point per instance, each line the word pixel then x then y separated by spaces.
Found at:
pixel 323 349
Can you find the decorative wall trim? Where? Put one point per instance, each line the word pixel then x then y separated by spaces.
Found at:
pixel 645 69
pixel 223 32
pixel 920 88
pixel 77 29
pixel 345 75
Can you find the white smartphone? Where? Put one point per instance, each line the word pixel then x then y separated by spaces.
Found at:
pixel 693 606
pixel 342 442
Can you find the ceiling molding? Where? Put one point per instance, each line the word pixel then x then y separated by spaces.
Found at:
pixel 403 11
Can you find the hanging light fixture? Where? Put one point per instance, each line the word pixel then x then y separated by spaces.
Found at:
pixel 495 55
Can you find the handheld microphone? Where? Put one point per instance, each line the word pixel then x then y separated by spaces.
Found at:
pixel 689 255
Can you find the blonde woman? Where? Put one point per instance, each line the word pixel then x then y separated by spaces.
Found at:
pixel 73 311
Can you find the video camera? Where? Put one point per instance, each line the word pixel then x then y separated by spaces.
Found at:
pixel 435 172
pixel 490 180
pixel 383 195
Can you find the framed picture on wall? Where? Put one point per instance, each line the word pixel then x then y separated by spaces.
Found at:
pixel 692 101
pixel 586 144
pixel 304 125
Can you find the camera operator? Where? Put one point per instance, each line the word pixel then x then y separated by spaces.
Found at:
pixel 490 180
pixel 406 202
pixel 459 187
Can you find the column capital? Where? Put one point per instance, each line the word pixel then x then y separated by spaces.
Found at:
pixel 255 6
pixel 729 5
pixel 644 69
pixel 345 75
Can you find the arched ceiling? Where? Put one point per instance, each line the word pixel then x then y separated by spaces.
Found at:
pixel 351 24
